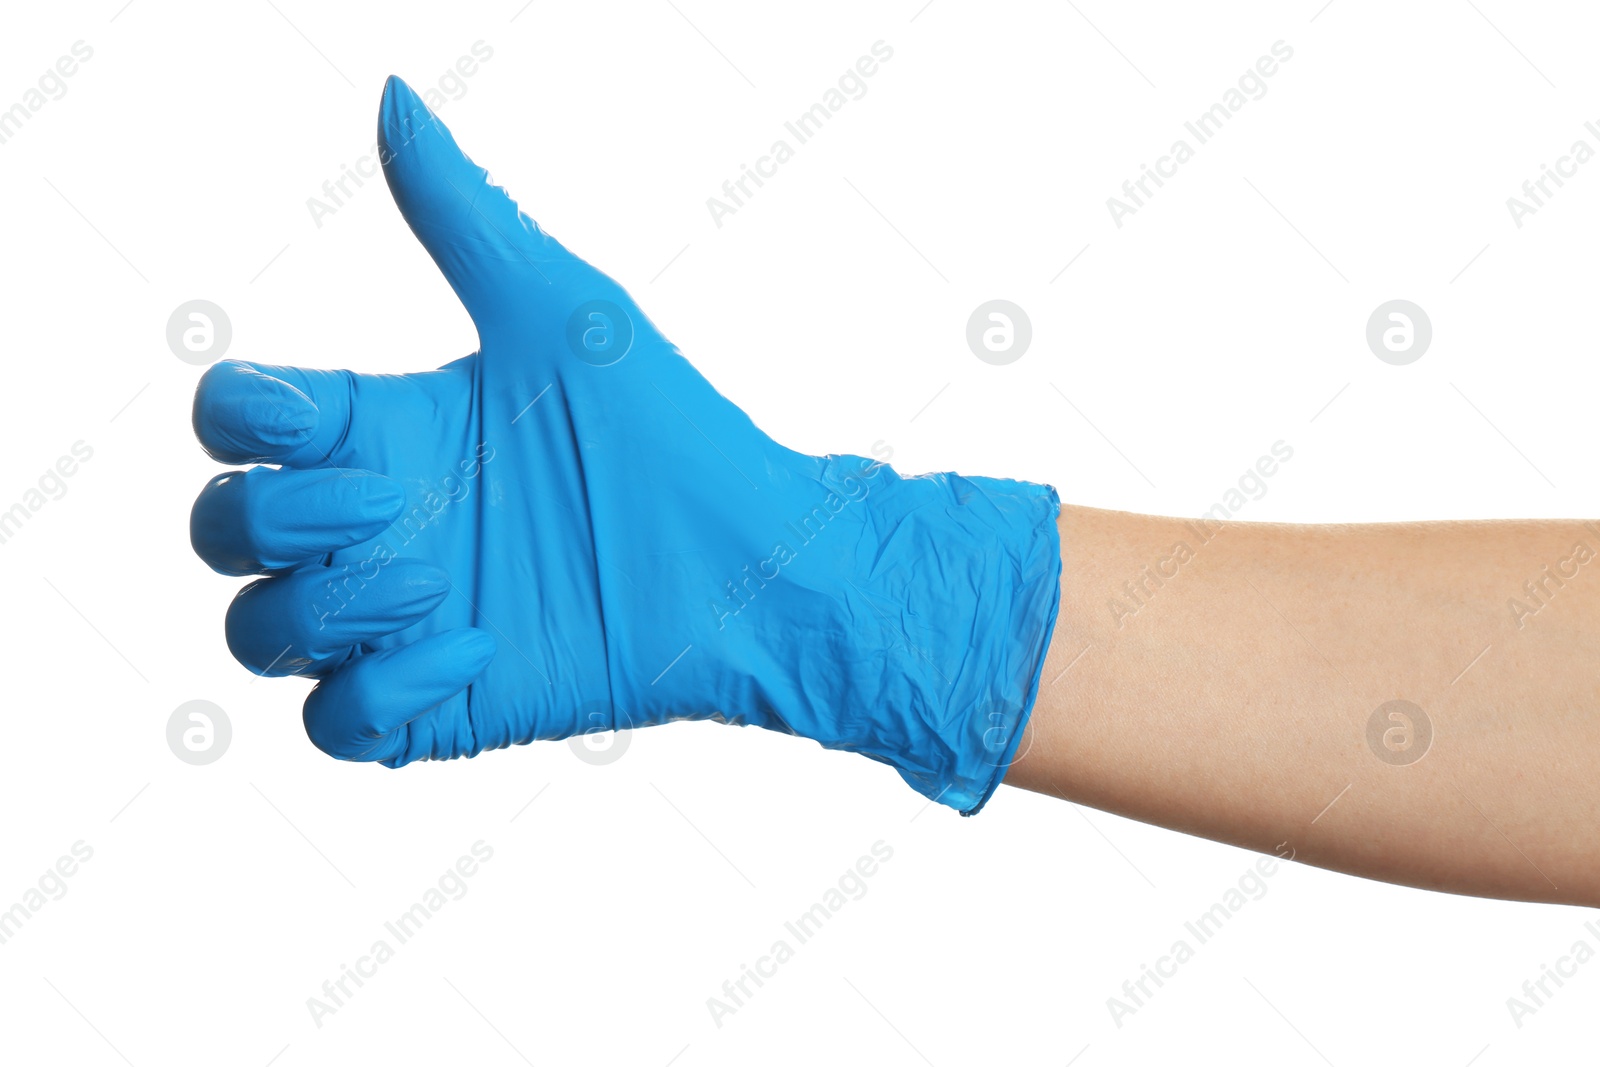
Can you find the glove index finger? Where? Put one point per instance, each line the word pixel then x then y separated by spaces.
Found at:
pixel 259 413
pixel 244 416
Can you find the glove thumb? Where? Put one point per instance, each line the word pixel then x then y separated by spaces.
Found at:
pixel 497 259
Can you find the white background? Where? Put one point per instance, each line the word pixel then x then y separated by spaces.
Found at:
pixel 1225 315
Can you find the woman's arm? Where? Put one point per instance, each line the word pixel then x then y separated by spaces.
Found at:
pixel 1220 678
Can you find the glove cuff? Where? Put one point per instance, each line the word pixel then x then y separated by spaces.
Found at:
pixel 1013 620
pixel 954 590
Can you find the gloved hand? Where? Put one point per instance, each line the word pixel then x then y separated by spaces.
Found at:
pixel 571 530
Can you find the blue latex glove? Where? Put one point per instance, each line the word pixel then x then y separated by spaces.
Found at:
pixel 571 530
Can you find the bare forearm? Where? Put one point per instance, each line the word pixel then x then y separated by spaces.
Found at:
pixel 1227 688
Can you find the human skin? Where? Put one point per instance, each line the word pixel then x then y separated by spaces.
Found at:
pixel 1234 703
